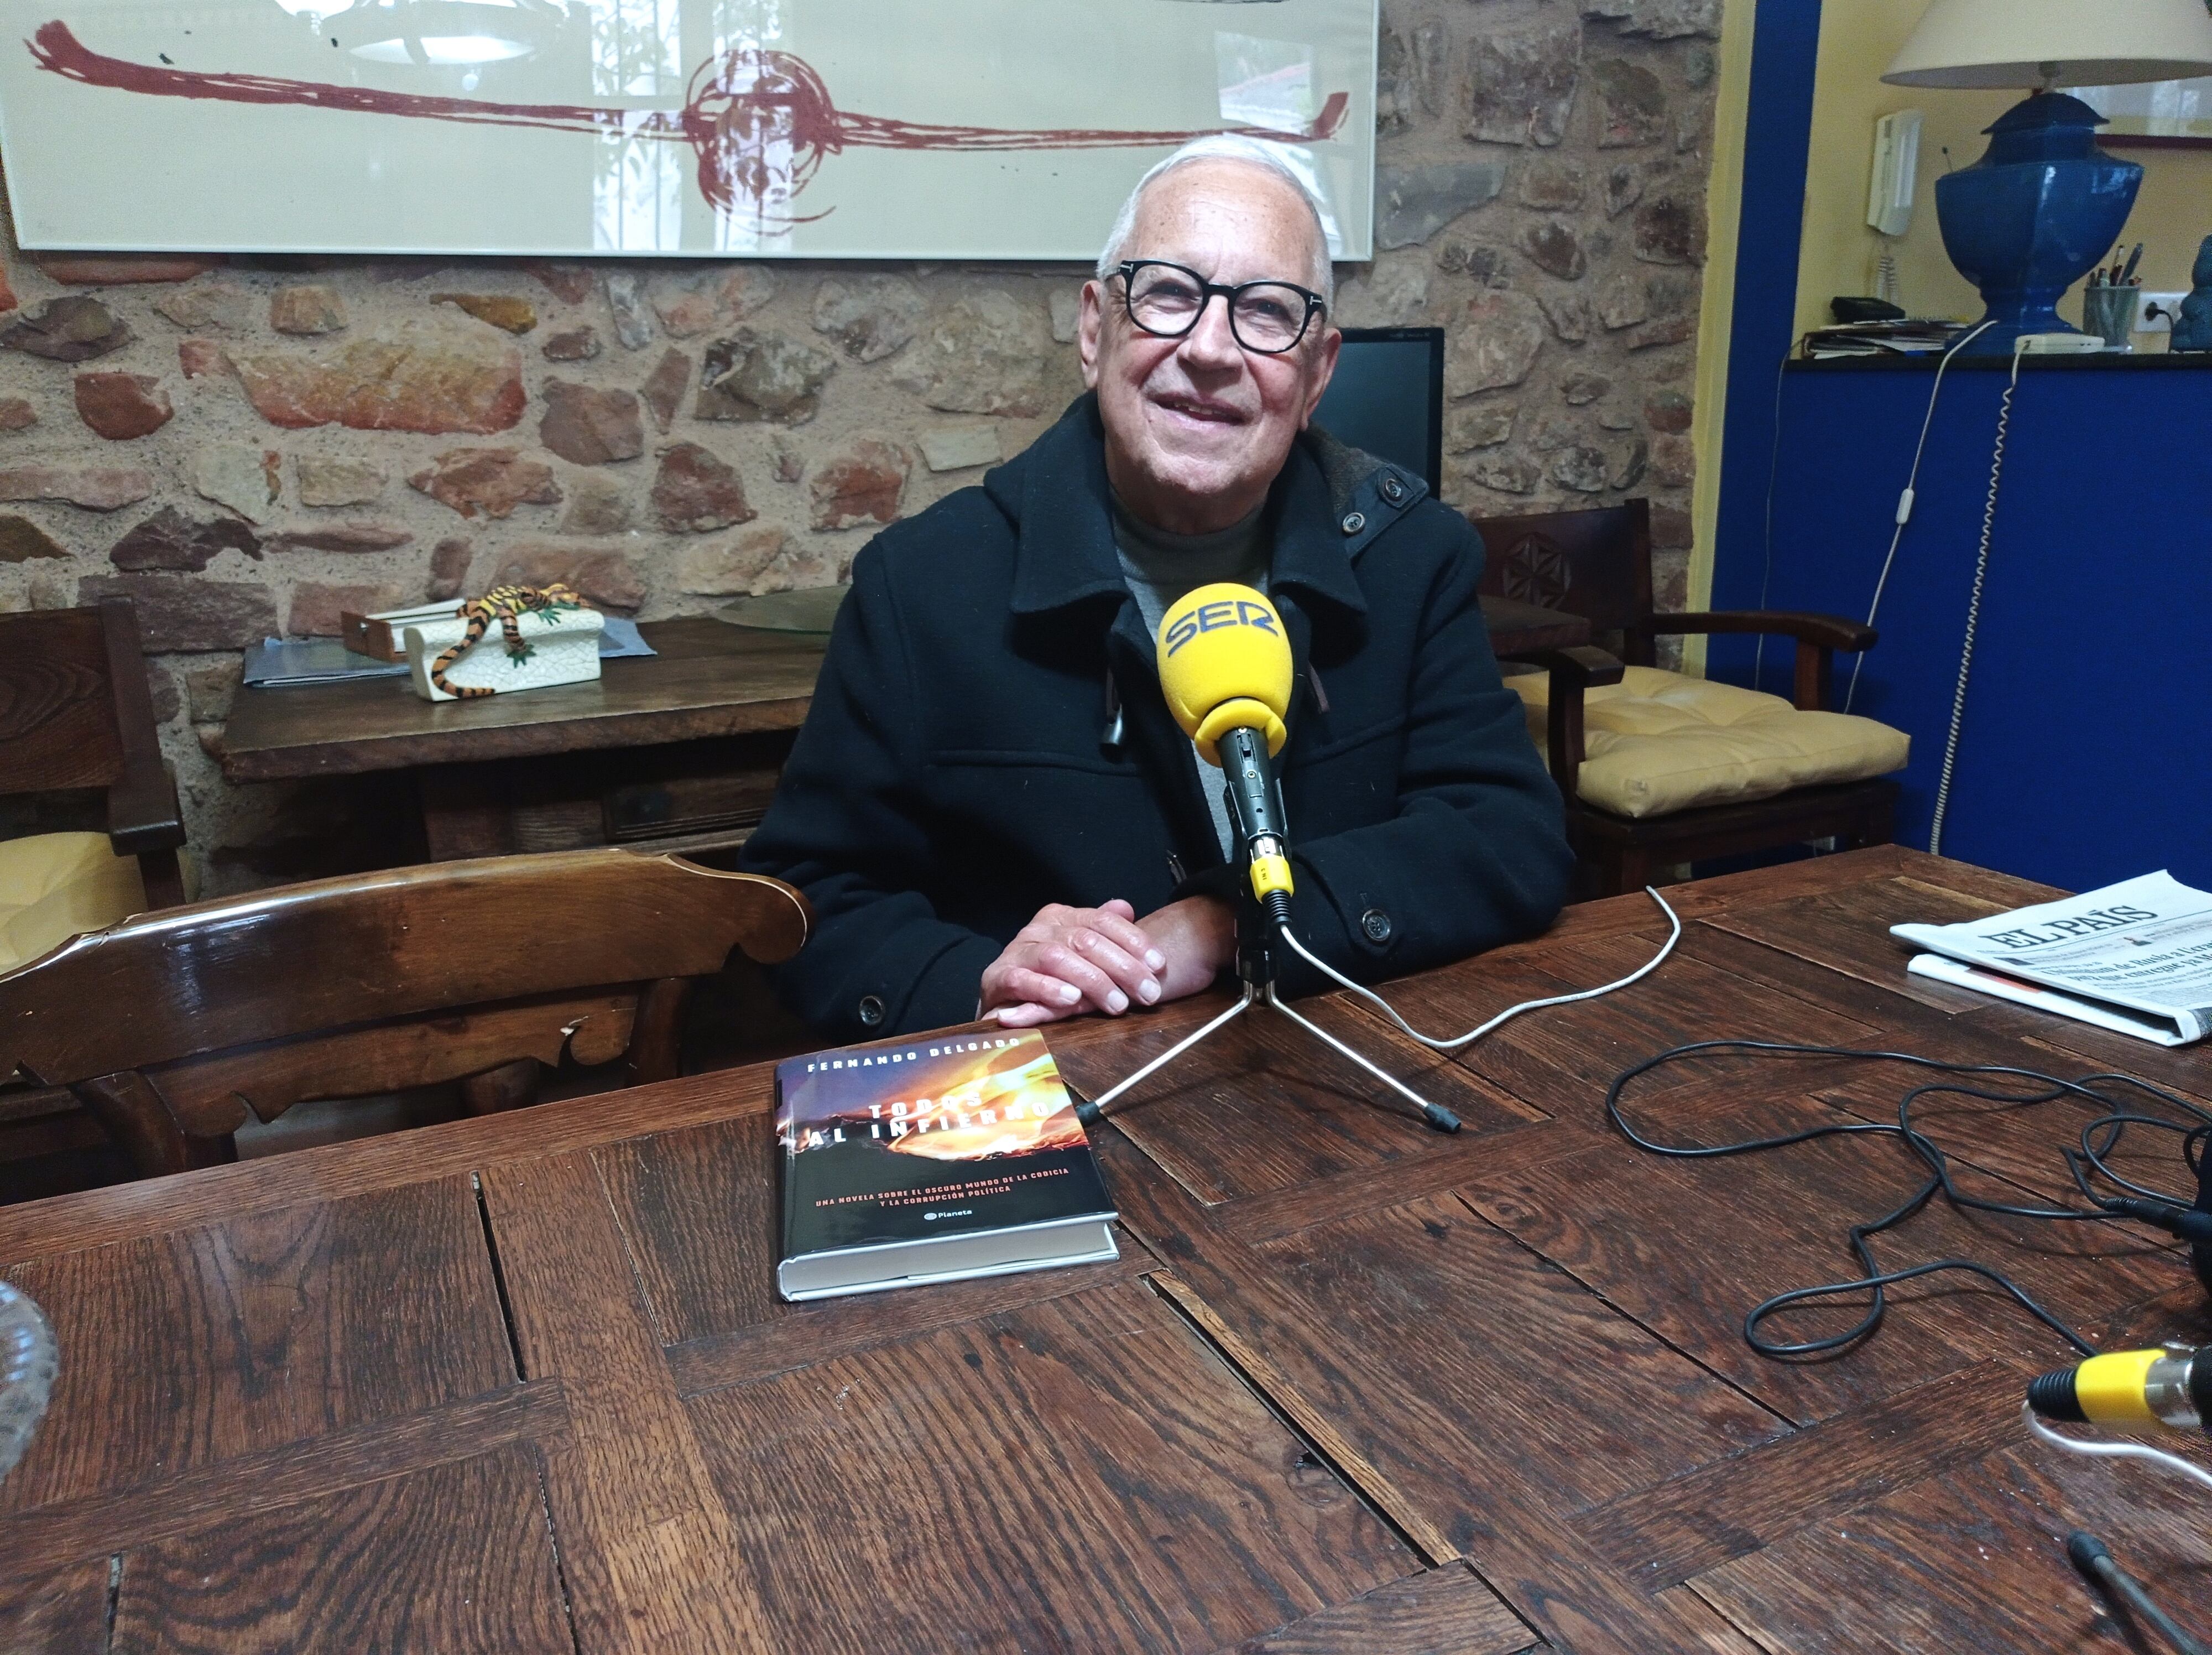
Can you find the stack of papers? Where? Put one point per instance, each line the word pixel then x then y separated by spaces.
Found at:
pixel 2136 957
pixel 1909 336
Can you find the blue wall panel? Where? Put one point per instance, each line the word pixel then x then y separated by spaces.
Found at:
pixel 2086 752
pixel 1785 49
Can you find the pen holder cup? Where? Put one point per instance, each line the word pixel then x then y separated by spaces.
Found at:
pixel 2110 313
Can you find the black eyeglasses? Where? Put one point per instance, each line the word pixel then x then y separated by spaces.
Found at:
pixel 1166 301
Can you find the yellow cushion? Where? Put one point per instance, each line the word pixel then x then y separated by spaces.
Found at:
pixel 1659 742
pixel 54 885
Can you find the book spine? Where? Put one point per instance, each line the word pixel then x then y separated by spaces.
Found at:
pixel 789 1226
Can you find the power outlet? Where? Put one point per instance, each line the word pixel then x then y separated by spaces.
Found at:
pixel 2165 303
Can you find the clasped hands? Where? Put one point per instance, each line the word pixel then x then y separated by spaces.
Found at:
pixel 1069 960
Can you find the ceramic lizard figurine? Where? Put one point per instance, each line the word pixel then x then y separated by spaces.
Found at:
pixel 506 605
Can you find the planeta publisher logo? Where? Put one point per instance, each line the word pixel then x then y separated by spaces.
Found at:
pixel 950 1212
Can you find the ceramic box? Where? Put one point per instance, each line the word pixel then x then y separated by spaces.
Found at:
pixel 564 648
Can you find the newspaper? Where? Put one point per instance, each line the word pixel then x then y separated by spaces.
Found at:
pixel 2143 946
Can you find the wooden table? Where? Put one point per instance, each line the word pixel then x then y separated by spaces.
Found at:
pixel 1352 1386
pixel 686 742
pixel 682 748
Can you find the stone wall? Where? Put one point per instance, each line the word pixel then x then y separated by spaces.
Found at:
pixel 248 447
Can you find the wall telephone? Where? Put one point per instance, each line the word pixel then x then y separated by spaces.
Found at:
pixel 1896 171
pixel 1890 192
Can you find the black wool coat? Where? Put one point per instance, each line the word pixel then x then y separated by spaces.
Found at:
pixel 956 771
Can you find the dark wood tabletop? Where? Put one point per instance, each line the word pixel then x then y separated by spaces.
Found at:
pixel 521 1383
pixel 709 678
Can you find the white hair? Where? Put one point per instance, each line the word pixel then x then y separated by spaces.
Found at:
pixel 1225 146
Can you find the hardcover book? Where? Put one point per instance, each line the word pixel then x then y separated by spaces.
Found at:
pixel 932 1160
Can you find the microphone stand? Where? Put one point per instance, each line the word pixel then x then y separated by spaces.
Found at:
pixel 1255 969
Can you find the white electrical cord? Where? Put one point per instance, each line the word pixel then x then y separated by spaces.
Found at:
pixel 1974 617
pixel 2131 1450
pixel 1773 471
pixel 1905 502
pixel 1510 1013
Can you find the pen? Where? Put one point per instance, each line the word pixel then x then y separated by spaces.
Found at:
pixel 2133 258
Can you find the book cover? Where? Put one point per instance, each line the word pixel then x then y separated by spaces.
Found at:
pixel 922 1141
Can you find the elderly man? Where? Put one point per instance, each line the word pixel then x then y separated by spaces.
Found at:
pixel 990 806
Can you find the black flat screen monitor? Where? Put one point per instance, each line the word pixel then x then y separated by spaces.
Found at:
pixel 1388 398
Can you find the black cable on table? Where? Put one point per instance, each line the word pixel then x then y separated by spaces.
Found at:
pixel 2099 1140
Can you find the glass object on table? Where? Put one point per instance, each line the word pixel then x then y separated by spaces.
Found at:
pixel 29 1362
pixel 2109 312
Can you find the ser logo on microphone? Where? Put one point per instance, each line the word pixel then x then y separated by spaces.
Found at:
pixel 1213 616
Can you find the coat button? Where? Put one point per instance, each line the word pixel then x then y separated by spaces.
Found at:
pixel 1354 522
pixel 1393 489
pixel 872 1009
pixel 1375 924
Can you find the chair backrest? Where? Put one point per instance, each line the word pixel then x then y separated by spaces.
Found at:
pixel 61 681
pixel 333 953
pixel 1595 564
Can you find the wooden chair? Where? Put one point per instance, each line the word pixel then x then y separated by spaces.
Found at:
pixel 171 1026
pixel 1597 564
pixel 75 714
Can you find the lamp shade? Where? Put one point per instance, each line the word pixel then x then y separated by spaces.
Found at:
pixel 2019 43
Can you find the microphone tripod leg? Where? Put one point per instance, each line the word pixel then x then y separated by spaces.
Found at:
pixel 1434 1114
pixel 1256 964
pixel 2089 1556
pixel 1092 1112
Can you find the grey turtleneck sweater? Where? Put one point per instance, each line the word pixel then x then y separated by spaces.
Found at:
pixel 1161 567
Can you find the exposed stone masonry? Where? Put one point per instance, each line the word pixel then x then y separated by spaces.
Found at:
pixel 1539 193
pixel 248 447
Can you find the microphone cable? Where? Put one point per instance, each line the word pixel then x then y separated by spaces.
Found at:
pixel 1455 1042
pixel 1973 614
pixel 1904 501
pixel 2118 1450
pixel 2099 1140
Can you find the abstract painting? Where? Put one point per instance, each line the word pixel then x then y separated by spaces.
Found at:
pixel 907 128
pixel 2162 114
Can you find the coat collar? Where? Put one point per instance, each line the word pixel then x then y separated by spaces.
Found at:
pixel 1325 507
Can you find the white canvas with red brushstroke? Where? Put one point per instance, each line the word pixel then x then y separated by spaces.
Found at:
pixel 908 129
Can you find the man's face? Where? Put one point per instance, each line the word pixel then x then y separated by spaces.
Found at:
pixel 1197 427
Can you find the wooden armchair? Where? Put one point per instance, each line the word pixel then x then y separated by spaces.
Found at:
pixel 1597 564
pixel 76 714
pixel 170 1027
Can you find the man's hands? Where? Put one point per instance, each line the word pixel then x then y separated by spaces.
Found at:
pixel 1068 960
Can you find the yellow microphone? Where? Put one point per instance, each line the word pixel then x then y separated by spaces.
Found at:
pixel 2170 1386
pixel 1225 671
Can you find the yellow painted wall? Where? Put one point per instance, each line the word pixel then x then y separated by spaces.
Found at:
pixel 1716 312
pixel 1858 38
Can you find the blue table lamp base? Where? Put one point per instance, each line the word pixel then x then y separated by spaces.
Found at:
pixel 2034 215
